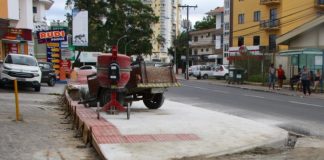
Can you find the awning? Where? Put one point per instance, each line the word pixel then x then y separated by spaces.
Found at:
pixel 301 52
pixel 214 56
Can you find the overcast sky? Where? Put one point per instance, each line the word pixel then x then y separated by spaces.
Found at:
pixel 58 11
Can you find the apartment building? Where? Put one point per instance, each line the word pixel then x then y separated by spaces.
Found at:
pixel 257 23
pixel 17 22
pixel 167 27
pixel 227 30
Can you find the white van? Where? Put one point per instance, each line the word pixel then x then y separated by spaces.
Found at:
pixel 23 68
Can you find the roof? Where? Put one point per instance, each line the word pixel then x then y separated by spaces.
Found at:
pixel 216 11
pixel 309 51
pixel 284 39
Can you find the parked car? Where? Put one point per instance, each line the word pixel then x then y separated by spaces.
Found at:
pixel 192 69
pixel 23 68
pixel 207 71
pixel 88 67
pixel 48 73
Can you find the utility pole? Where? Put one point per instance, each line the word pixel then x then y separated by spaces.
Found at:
pixel 187 27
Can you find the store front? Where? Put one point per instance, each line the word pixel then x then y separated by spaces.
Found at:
pixel 15 41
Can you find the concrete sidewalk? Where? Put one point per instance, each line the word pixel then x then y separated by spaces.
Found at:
pixel 174 131
pixel 178 130
pixel 256 87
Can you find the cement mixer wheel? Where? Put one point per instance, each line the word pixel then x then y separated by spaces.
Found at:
pixel 155 102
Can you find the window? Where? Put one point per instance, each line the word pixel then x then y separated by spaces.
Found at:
pixel 226 47
pixel 227 26
pixel 257 16
pixel 214 37
pixel 202 50
pixel 240 41
pixel 207 49
pixel 256 40
pixel 241 18
pixel 208 34
pixel 196 39
pixel 201 36
pixel 34 9
pixel 272 42
pixel 195 51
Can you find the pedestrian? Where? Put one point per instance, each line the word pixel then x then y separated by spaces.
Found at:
pixel 318 78
pixel 281 76
pixel 305 78
pixel 272 76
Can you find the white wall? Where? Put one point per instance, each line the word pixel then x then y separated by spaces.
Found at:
pixel 312 39
pixel 218 21
pixel 25 14
pixel 13 9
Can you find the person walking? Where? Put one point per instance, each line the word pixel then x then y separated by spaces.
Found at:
pixel 318 78
pixel 281 76
pixel 305 78
pixel 272 76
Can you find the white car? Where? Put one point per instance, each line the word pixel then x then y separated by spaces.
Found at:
pixel 221 71
pixel 202 71
pixel 89 67
pixel 23 68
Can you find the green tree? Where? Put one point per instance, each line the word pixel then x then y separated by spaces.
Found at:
pixel 207 23
pixel 160 40
pixel 179 44
pixel 124 17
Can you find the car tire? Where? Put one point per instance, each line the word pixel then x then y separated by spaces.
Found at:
pixel 51 82
pixel 155 102
pixel 205 76
pixel 37 89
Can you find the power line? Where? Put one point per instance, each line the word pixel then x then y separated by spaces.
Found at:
pixel 275 19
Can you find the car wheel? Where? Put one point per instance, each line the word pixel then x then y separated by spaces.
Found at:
pixel 37 89
pixel 51 82
pixel 155 102
pixel 205 76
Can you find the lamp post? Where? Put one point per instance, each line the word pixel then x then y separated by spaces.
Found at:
pixel 125 50
pixel 124 36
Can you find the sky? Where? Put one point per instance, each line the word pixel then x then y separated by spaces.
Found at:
pixel 57 11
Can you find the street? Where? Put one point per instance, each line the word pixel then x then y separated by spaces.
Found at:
pixel 301 115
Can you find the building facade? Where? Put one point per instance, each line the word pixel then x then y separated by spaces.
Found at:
pixel 167 28
pixel 227 30
pixel 260 22
pixel 16 26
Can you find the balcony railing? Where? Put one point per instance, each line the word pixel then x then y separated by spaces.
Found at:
pixel 269 2
pixel 270 24
pixel 319 3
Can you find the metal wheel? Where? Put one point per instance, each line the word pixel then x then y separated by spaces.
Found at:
pixel 155 102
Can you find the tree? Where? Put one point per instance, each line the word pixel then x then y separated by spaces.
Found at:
pixel 180 46
pixel 161 41
pixel 124 17
pixel 207 23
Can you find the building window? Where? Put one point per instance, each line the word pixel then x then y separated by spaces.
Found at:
pixel 226 47
pixel 240 41
pixel 272 42
pixel 34 9
pixel 202 50
pixel 208 34
pixel 241 18
pixel 227 26
pixel 257 16
pixel 196 39
pixel 256 40
pixel 201 36
pixel 195 51
pixel 214 37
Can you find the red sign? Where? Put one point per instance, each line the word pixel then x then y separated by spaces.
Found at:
pixel 51 36
pixel 18 34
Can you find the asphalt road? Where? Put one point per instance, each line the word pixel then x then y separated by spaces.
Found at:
pixel 302 115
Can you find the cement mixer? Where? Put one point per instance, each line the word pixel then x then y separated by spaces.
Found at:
pixel 119 82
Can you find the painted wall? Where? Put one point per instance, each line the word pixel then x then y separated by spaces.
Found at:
pixel 9 9
pixel 291 14
pixel 26 14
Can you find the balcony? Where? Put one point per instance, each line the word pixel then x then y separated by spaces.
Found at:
pixel 319 4
pixel 270 24
pixel 270 2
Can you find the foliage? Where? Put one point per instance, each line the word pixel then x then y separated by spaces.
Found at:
pixel 255 78
pixel 124 17
pixel 207 23
pixel 180 45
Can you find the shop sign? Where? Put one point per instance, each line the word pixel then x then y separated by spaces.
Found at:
pixel 54 55
pixel 51 36
pixel 18 34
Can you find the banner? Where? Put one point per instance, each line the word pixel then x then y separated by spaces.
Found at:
pixel 18 34
pixel 51 36
pixel 80 27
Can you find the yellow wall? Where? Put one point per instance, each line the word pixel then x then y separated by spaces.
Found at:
pixel 305 9
pixel 4 9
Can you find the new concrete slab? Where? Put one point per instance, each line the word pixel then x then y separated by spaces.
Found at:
pixel 217 133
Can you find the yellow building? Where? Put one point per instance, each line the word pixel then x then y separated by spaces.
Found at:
pixel 260 22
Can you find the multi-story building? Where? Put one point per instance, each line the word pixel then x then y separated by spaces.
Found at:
pixel 16 24
pixel 227 33
pixel 166 29
pixel 18 19
pixel 257 23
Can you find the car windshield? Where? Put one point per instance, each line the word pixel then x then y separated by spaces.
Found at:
pixel 21 60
